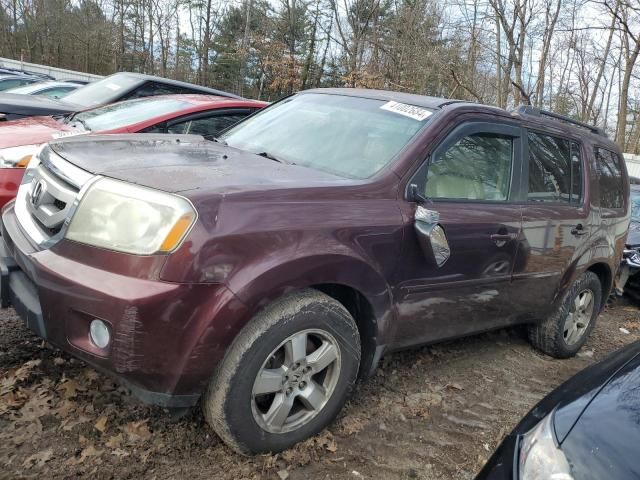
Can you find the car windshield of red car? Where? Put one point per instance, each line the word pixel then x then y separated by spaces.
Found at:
pixel 119 115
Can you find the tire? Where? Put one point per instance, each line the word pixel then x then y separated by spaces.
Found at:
pixel 249 421
pixel 554 336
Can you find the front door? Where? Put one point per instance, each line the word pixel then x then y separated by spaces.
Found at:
pixel 470 180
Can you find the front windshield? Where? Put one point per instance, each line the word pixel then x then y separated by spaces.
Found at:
pixel 635 205
pixel 103 91
pixel 122 114
pixel 352 137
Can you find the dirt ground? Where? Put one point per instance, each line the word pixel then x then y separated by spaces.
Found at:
pixel 433 413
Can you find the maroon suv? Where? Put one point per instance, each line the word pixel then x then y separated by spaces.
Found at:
pixel 262 273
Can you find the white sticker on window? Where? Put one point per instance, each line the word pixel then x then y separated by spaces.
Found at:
pixel 411 111
pixel 113 86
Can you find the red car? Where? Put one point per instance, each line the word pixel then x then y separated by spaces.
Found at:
pixel 204 115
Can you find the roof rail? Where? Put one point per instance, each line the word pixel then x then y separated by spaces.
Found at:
pixel 529 110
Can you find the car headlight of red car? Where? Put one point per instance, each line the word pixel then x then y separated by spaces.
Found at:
pixel 17 157
pixel 540 456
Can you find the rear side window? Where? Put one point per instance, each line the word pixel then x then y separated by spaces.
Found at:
pixel 207 126
pixel 609 169
pixel 150 89
pixel 555 169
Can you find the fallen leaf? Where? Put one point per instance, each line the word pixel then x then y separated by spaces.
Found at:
pixel 101 424
pixel 283 474
pixel 115 441
pixel 65 409
pixel 118 452
pixel 71 422
pixel 138 431
pixel 70 387
pixel 455 386
pixel 24 371
pixel 38 459
pixel 89 451
pixel 331 446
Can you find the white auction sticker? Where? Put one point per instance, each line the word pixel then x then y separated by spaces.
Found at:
pixel 113 86
pixel 411 111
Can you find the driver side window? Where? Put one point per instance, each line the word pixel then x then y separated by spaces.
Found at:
pixel 476 167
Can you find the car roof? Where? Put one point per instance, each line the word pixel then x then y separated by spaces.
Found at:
pixel 195 99
pixel 142 77
pixel 5 76
pixel 401 97
pixel 527 117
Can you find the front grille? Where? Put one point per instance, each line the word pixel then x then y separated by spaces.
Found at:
pixel 47 197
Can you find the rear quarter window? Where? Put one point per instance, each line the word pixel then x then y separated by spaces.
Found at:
pixel 609 173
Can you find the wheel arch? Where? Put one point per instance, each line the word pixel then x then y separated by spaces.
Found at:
pixel 351 281
pixel 605 275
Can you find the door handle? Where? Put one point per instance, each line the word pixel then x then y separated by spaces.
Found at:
pixel 501 239
pixel 578 230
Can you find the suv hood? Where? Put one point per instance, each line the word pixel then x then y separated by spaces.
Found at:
pixel 31 105
pixel 185 163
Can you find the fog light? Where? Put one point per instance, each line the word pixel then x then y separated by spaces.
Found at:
pixel 99 333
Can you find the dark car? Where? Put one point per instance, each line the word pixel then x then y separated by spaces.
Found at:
pixel 628 278
pixel 586 429
pixel 633 239
pixel 260 274
pixel 9 81
pixel 116 87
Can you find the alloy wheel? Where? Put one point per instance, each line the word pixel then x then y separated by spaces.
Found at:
pixel 296 381
pixel 579 317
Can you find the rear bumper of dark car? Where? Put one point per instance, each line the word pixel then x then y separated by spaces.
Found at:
pixel 156 327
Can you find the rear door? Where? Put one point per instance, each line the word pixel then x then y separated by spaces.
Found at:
pixel 470 180
pixel 556 219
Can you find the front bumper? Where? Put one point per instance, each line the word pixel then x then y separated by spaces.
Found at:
pixel 165 343
pixel 10 179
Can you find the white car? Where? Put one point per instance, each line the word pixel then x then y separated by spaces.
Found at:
pixel 48 88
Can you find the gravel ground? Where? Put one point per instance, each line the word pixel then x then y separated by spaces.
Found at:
pixel 435 412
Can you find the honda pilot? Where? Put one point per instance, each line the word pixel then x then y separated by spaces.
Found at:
pixel 262 273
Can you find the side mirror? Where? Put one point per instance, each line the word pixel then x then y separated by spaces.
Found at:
pixel 431 236
pixel 414 194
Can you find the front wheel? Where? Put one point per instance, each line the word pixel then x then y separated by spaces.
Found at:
pixel 564 333
pixel 286 376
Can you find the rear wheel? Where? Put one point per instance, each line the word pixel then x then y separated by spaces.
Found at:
pixel 567 329
pixel 286 376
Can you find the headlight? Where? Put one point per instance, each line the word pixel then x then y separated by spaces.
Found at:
pixel 540 457
pixel 131 219
pixel 17 157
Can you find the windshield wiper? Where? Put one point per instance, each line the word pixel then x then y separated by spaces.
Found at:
pixel 220 141
pixel 83 123
pixel 271 157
